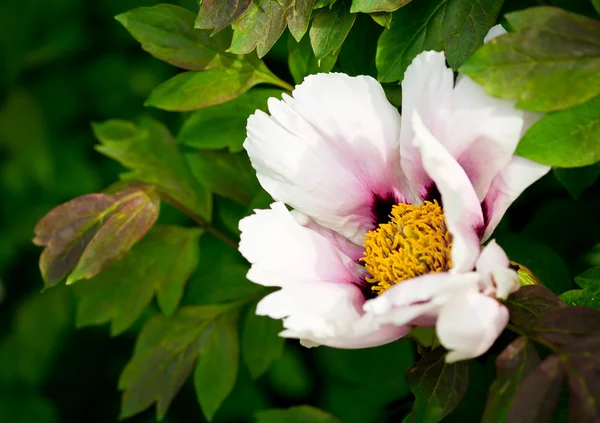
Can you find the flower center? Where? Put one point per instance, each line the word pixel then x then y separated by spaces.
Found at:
pixel 413 243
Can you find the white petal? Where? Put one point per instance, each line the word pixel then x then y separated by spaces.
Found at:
pixel 469 324
pixel 492 257
pixel 373 338
pixel 461 206
pixel 508 184
pixel 493 266
pixel 426 88
pixel 494 32
pixel 329 150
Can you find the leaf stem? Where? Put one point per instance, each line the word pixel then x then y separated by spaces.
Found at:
pixel 211 230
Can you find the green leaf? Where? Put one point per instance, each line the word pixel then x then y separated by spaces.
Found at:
pixel 167 32
pixel 589 295
pixel 218 14
pixel 224 125
pixel 371 6
pixel 596 4
pixel 330 27
pixel 196 90
pixel 579 179
pixel 150 152
pixel 530 302
pixel 302 60
pixel 226 174
pixel 512 366
pixel 552 62
pixel 456 26
pixel 160 264
pixel 88 233
pixel 298 414
pixel 261 343
pixel 383 19
pixel 217 368
pixel 548 266
pixel 357 56
pixel 165 353
pixel 262 24
pixel 536 398
pixel 568 138
pixel 438 386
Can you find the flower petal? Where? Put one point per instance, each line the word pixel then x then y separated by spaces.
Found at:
pixel 461 207
pixel 497 277
pixel 330 150
pixel 427 89
pixel 494 32
pixel 506 186
pixel 469 324
pixel 373 338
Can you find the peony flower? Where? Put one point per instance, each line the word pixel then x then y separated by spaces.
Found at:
pixel 389 212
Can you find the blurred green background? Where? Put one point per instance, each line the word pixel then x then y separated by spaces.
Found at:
pixel 66 63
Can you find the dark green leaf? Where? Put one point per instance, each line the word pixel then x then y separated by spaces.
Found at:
pixel 217 366
pixel 589 279
pixel 226 174
pixel 596 4
pixel 299 414
pixel 263 23
pixel 88 233
pixel 568 138
pixel 371 6
pixel 579 179
pixel 160 263
pixel 39 409
pixel 302 60
pixel 530 302
pixel 552 62
pixel 167 32
pixel 456 26
pixel 218 14
pixel 261 343
pixel 196 90
pixel 357 56
pixel 330 28
pixel 224 125
pixel 438 386
pixel 150 152
pixel 165 353
pixel 512 366
pixel 548 266
pixel 536 398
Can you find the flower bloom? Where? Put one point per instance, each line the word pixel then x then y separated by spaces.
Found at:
pixel 389 211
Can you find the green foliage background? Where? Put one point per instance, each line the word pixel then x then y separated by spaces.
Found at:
pixel 67 63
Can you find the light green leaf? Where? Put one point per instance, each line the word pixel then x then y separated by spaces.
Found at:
pixel 298 414
pixel 383 19
pixel 224 125
pixel 261 344
pixel 330 28
pixel 217 366
pixel 226 174
pixel 150 152
pixel 577 180
pixel 551 63
pixel 159 264
pixel 302 60
pixel 86 234
pixel 589 295
pixel 218 14
pixel 568 138
pixel 196 90
pixel 372 6
pixel 596 4
pixel 165 353
pixel 456 26
pixel 167 32
pixel 263 23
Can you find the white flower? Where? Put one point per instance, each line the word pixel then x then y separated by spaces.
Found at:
pixel 389 211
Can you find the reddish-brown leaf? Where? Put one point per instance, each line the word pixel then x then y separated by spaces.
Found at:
pixel 566 327
pixel 529 302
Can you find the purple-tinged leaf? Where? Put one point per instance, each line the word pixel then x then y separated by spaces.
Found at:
pixel 565 327
pixel 218 14
pixel 584 388
pixel 536 398
pixel 438 386
pixel 512 366
pixel 529 302
pixel 88 233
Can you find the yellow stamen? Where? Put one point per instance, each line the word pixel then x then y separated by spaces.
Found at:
pixel 415 242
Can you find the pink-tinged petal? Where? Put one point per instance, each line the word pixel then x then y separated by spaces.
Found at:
pixel 508 184
pixel 469 324
pixel 330 150
pixel 374 338
pixel 282 252
pixel 355 252
pixel 461 207
pixel 493 266
pixel 427 89
pixel 494 32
